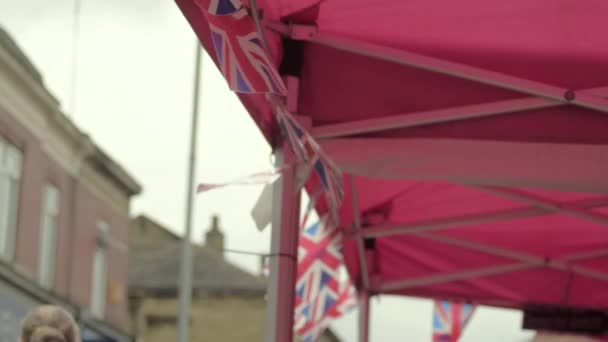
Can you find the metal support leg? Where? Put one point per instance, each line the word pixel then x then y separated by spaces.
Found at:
pixel 284 245
pixel 364 316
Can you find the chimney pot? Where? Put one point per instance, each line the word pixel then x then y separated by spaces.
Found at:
pixel 214 238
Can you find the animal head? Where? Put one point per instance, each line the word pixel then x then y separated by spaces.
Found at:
pixel 49 324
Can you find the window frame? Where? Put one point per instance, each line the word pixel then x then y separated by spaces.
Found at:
pixel 49 230
pixel 99 281
pixel 11 174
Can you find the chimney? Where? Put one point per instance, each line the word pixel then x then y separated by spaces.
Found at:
pixel 214 238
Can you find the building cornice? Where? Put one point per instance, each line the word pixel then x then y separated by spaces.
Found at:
pixel 15 62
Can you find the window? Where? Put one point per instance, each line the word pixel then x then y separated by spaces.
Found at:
pixel 10 175
pixel 100 269
pixel 48 235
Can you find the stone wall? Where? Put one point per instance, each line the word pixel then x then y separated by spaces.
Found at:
pixel 212 319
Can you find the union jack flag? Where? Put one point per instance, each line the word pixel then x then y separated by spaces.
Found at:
pixel 346 301
pixel 241 55
pixel 449 319
pixel 306 150
pixel 220 7
pixel 319 295
pixel 330 178
pixel 297 138
pixel 309 209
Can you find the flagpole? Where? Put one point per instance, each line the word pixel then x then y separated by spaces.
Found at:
pixel 75 39
pixel 185 285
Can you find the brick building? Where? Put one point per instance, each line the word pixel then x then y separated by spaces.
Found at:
pixel 64 210
pixel 228 303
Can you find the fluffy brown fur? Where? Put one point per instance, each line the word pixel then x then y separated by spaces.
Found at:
pixel 49 324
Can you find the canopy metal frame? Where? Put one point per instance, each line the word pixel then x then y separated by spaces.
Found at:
pixel 535 96
pixel 578 209
pixel 444 115
pixel 542 95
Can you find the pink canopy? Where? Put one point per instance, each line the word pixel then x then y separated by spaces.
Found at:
pixel 473 135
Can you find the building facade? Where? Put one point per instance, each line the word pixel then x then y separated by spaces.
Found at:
pixel 228 303
pixel 64 208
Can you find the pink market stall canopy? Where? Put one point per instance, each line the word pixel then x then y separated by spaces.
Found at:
pixel 474 136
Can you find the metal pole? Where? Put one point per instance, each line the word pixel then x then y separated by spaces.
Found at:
pixel 360 239
pixel 284 247
pixel 185 285
pixel 364 316
pixel 75 40
pixel 273 263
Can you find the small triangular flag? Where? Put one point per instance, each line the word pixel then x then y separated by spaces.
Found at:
pixel 262 210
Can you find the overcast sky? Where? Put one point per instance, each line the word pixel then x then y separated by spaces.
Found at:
pixel 134 90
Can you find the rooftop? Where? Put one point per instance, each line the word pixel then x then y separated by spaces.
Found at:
pixel 154 266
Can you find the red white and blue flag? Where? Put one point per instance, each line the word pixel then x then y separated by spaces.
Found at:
pixel 320 297
pixel 346 301
pixel 220 7
pixel 449 319
pixel 319 259
pixel 246 66
pixel 330 179
pixel 300 143
pixel 309 209
pixel 241 55
pixel 307 151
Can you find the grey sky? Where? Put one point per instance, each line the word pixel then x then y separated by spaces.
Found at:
pixel 134 98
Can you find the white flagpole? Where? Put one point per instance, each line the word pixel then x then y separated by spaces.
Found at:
pixel 185 285
pixel 75 39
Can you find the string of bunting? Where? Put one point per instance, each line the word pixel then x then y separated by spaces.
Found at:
pixel 308 152
pixel 252 179
pixel 247 67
